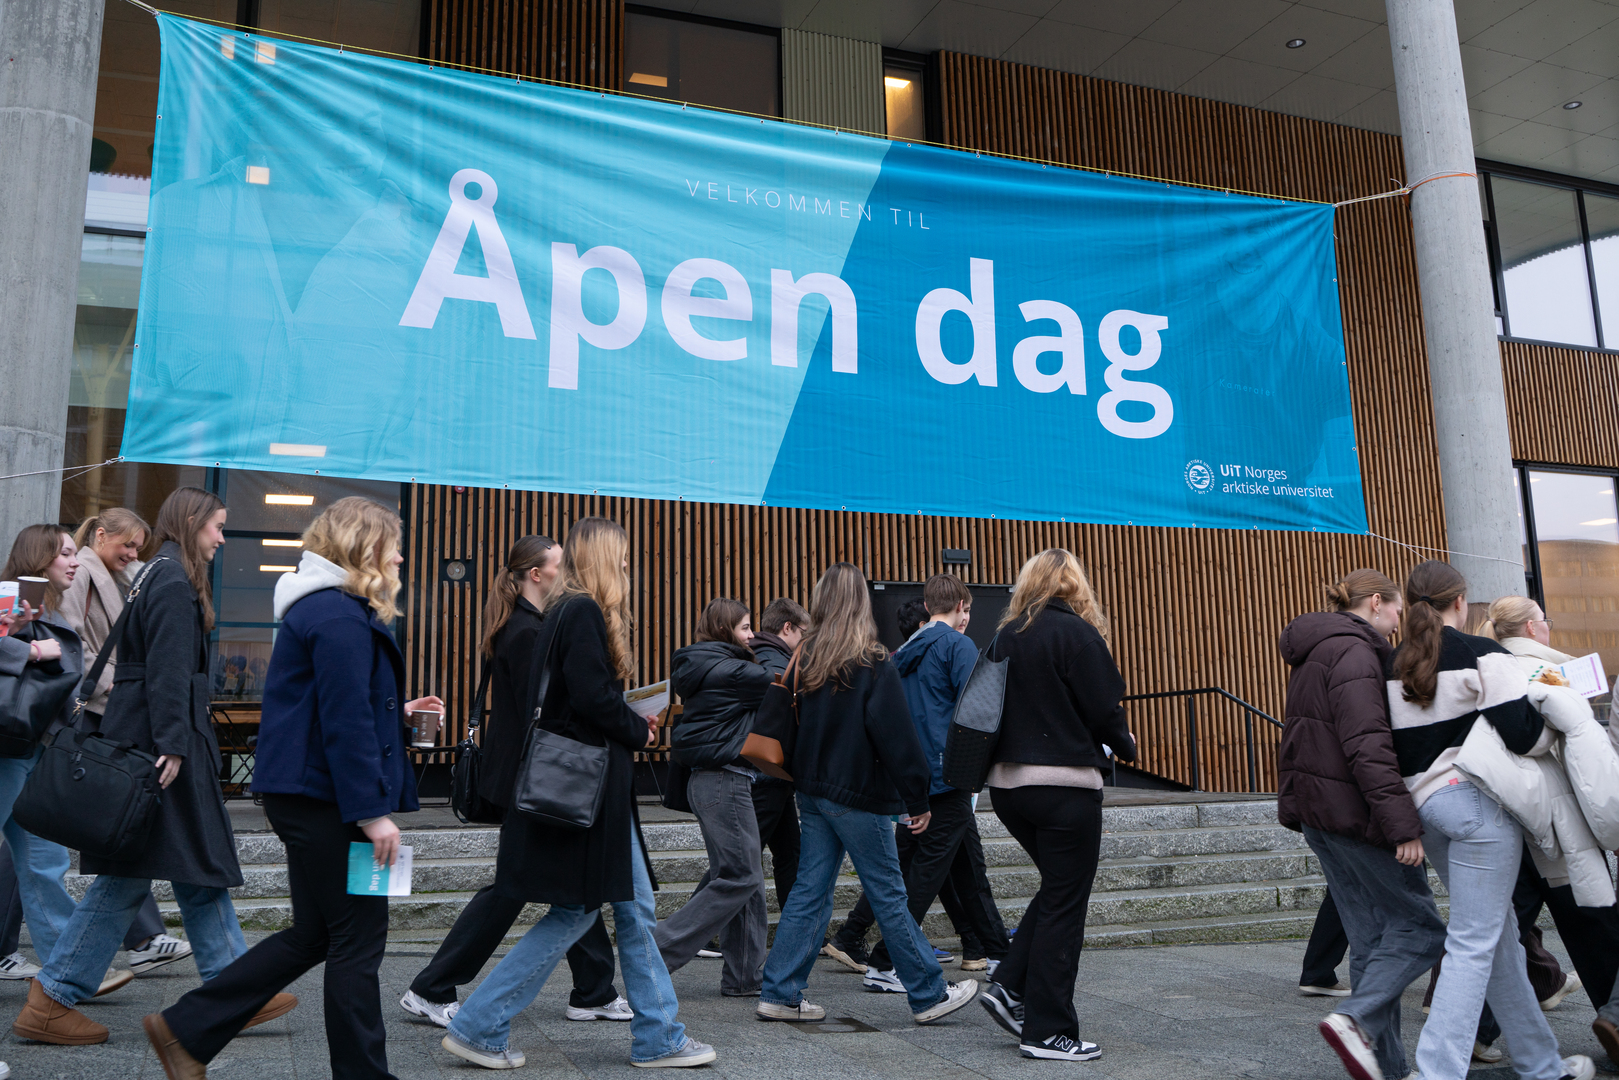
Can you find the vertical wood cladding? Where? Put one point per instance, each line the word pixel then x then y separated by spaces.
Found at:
pixel 1190 607
pixel 1560 404
pixel 573 41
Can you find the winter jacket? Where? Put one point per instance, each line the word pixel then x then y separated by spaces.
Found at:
pixel 720 687
pixel 1063 693
pixel 934 666
pixel 91 606
pixel 1336 769
pixel 772 653
pixel 332 727
pixel 504 733
pixel 15 648
pixel 856 744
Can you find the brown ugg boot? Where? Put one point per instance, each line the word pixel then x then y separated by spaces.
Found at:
pixel 178 1064
pixel 46 1020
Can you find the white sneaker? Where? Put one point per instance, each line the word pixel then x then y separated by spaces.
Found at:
pixel 505 1059
pixel 617 1009
pixel 1578 1067
pixel 706 953
pixel 693 1053
pixel 1338 989
pixel 5 1070
pixel 1572 984
pixel 16 966
pixel 114 980
pixel 438 1014
pixel 803 1011
pixel 1061 1048
pixel 1487 1055
pixel 883 981
pixel 161 950
pixel 957 995
pixel 1354 1049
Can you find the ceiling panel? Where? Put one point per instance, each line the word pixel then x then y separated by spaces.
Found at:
pixel 1128 19
pixel 1237 81
pixel 1324 33
pixel 1538 29
pixel 1065 46
pixel 968 28
pixel 1318 98
pixel 1151 63
pixel 1535 89
pixel 1217 28
pixel 1365 61
pixel 1380 112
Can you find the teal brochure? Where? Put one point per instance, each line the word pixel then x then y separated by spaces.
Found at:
pixel 369 878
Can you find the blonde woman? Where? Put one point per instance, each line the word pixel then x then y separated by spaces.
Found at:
pixel 1062 706
pixel 587 617
pixel 331 768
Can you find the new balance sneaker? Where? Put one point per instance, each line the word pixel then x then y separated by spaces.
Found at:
pixel 157 952
pixel 803 1011
pixel 16 966
pixel 853 958
pixel 693 1053
pixel 884 982
pixel 957 995
pixel 497 1059
pixel 1061 1048
pixel 617 1009
pixel 1004 1007
pixel 1578 1067
pixel 1354 1048
pixel 943 956
pixel 441 1015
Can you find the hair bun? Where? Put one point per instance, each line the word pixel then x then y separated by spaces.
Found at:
pixel 1338 594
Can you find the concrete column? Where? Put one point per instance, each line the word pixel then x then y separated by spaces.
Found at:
pixel 49 52
pixel 1458 314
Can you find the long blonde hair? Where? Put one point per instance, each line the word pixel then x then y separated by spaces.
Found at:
pixel 843 632
pixel 593 558
pixel 1510 617
pixel 119 524
pixel 529 553
pixel 361 537
pixel 1054 574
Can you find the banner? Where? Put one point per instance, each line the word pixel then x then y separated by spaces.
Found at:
pixel 378 269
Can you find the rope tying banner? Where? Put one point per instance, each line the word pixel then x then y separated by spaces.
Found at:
pixel 1408 189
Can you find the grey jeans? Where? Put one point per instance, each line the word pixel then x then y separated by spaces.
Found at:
pixel 1475 846
pixel 731 902
pixel 1394 930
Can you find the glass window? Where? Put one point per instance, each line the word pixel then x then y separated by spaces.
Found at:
pixel 727 67
pixel 902 93
pixel 1548 292
pixel 1602 221
pixel 1577 530
pixel 392 26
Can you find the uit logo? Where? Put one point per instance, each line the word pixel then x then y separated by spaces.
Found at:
pixel 1199 477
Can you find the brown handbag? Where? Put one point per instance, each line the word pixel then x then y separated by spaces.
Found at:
pixel 775 726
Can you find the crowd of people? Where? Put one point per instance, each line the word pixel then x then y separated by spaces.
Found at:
pixel 1459 750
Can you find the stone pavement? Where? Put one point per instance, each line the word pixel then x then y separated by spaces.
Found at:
pixel 1183 1012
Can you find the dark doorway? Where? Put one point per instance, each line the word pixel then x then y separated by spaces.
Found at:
pixel 989 601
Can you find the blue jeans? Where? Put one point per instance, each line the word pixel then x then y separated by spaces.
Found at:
pixel 93 936
pixel 1475 846
pixel 827 829
pixel 484 1021
pixel 41 865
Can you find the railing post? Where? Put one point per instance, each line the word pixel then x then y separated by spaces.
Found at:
pixel 1253 759
pixel 1191 730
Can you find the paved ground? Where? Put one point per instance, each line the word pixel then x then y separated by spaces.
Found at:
pixel 1214 1011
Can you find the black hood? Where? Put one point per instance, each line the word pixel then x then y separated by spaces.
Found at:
pixel 1305 633
pixel 691 664
pixel 910 654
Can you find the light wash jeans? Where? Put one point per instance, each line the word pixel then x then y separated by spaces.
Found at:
pixel 1475 845
pixel 827 829
pixel 40 864
pixel 484 1021
pixel 94 935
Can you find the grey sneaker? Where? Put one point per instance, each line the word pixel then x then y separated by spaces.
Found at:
pixel 617 1009
pixel 503 1059
pixel 429 1010
pixel 693 1053
pixel 957 995
pixel 801 1012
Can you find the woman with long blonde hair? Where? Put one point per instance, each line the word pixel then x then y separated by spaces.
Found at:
pixel 332 766
pixel 585 640
pixel 856 762
pixel 1062 706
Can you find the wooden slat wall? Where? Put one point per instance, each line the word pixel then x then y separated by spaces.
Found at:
pixel 1190 607
pixel 573 41
pixel 1561 404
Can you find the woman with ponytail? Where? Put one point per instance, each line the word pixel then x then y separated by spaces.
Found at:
pixel 512 617
pixel 1442 682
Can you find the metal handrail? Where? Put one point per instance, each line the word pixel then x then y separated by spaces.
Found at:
pixel 1191 697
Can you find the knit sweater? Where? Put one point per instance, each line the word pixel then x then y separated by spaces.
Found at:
pixel 1477 677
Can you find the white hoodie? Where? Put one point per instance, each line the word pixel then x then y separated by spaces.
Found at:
pixel 313 574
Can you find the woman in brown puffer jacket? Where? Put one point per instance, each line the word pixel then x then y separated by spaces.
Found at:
pixel 1339 782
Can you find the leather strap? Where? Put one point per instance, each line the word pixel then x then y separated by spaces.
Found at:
pixel 483 688
pixel 87 686
pixel 544 661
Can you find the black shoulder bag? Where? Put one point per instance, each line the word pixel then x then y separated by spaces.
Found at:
pixel 87 792
pixel 975 728
pixel 471 807
pixel 560 781
pixel 30 701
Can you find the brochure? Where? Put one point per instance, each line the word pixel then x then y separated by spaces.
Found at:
pixel 649 700
pixel 369 878
pixel 1586 675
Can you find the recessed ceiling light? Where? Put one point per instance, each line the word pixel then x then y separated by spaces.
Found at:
pixel 1572 104
pixel 266 568
pixel 1296 43
pixel 289 500
pixel 282 543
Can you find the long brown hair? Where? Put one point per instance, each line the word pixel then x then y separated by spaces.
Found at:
pixel 593 565
pixel 361 536
pixel 719 619
pixel 180 519
pixel 529 553
pixel 844 633
pixel 119 523
pixel 1054 574
pixel 1355 586
pixel 35 548
pixel 1432 587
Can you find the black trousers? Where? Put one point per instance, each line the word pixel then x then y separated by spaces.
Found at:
pixel 1328 945
pixel 478 932
pixel 777 812
pixel 1591 935
pixel 969 864
pixel 929 860
pixel 347 933
pixel 1061 829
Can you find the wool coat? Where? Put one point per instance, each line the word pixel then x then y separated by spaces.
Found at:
pixel 585 702
pixel 507 727
pixel 91 606
pixel 159 702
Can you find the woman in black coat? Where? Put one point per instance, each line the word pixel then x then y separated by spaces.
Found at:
pixel 1062 707
pixel 511 625
pixel 585 645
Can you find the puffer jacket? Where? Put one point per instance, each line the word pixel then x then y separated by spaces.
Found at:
pixel 720 687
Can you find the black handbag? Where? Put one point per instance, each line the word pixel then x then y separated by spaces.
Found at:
pixel 975 727
pixel 676 778
pixel 470 806
pixel 560 781
pixel 30 701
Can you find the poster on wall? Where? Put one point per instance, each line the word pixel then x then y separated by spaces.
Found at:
pixel 379 269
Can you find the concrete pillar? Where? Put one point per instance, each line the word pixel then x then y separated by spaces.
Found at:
pixel 1458 313
pixel 49 53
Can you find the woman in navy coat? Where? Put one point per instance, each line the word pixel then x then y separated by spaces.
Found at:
pixel 332 766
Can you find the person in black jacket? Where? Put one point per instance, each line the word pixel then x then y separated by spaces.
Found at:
pixel 1063 694
pixel 588 621
pixel 720 686
pixel 856 760
pixel 511 624
pixel 781 629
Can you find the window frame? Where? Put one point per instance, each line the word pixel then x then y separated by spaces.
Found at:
pixel 1534 581
pixel 926 66
pixel 773 32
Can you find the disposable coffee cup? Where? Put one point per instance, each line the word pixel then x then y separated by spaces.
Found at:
pixel 424 725
pixel 31 591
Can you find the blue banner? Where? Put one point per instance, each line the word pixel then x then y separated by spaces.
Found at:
pixel 378 269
